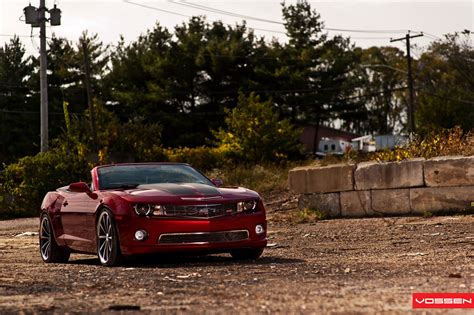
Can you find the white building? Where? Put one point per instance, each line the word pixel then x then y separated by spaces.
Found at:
pixel 383 142
pixel 364 144
pixel 333 146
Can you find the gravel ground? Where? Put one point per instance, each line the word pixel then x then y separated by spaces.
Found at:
pixel 331 266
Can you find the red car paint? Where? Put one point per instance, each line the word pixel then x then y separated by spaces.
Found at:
pixel 73 216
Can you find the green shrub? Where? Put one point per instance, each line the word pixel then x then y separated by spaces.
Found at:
pixel 256 134
pixel 27 181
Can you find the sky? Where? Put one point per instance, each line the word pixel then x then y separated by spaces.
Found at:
pixel 377 20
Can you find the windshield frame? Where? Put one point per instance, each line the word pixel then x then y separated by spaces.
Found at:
pixel 132 182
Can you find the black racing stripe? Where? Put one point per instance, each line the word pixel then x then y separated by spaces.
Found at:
pixel 185 189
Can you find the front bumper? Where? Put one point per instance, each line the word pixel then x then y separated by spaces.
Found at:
pixel 188 235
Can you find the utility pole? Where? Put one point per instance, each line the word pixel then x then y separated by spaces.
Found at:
pixel 36 17
pixel 87 74
pixel 411 106
pixel 43 78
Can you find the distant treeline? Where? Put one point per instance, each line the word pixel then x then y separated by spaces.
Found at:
pixel 182 84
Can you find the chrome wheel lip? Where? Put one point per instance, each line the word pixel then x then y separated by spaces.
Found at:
pixel 45 239
pixel 104 238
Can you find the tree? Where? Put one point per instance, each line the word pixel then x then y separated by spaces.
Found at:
pixel 317 70
pixel 445 85
pixel 19 114
pixel 382 89
pixel 137 84
pixel 256 134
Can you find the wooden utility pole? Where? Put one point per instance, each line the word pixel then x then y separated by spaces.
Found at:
pixel 36 17
pixel 43 78
pixel 411 105
pixel 87 75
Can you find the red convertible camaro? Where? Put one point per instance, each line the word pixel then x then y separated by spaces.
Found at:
pixel 131 209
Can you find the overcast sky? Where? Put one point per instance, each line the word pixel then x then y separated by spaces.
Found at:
pixel 112 18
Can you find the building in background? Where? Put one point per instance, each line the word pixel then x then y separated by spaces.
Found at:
pixel 323 132
pixel 384 142
pixel 334 141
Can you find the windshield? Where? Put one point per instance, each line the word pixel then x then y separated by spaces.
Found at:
pixel 130 176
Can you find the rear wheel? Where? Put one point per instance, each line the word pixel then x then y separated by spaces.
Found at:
pixel 108 247
pixel 49 249
pixel 246 253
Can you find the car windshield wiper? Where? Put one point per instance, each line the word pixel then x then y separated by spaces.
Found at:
pixel 123 185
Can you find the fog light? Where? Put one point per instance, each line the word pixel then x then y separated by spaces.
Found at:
pixel 141 235
pixel 259 229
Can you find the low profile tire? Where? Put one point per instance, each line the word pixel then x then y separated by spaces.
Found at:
pixel 49 250
pixel 246 253
pixel 108 246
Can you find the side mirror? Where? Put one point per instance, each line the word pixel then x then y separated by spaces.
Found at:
pixel 217 182
pixel 79 187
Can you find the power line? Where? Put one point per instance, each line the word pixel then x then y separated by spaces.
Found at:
pixel 29 112
pixel 445 98
pixel 155 8
pixel 248 17
pixel 13 35
pixel 214 10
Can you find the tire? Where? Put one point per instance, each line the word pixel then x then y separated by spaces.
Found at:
pixel 246 253
pixel 49 250
pixel 108 246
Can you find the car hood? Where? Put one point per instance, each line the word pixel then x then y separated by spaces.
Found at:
pixel 184 192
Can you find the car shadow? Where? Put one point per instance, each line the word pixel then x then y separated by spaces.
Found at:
pixel 188 260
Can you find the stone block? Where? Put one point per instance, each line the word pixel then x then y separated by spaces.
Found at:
pixel 333 178
pixel 449 171
pixel 391 201
pixel 356 204
pixel 297 180
pixel 374 175
pixel 435 199
pixel 327 203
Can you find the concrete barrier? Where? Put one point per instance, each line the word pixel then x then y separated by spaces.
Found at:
pixel 332 178
pixel 449 171
pixel 415 186
pixel 326 203
pixel 441 199
pixel 373 175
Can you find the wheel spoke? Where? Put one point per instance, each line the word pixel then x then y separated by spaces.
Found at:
pixel 106 252
pixel 45 238
pixel 44 246
pixel 101 226
pixel 45 228
pixel 102 246
pixel 105 237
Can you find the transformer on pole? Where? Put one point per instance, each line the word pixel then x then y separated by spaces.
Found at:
pixel 36 17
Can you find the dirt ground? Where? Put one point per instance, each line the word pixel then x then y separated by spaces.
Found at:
pixel 349 266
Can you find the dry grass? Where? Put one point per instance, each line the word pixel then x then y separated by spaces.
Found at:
pixel 261 178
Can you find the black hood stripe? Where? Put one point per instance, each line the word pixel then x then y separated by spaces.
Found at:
pixel 184 189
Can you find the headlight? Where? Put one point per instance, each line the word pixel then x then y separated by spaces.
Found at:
pixel 248 205
pixel 143 209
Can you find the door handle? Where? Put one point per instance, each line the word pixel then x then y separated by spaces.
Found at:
pixel 65 203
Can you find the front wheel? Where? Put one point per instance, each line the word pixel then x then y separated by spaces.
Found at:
pixel 108 246
pixel 49 249
pixel 246 253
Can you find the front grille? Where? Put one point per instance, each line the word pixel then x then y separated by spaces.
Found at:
pixel 203 237
pixel 198 211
